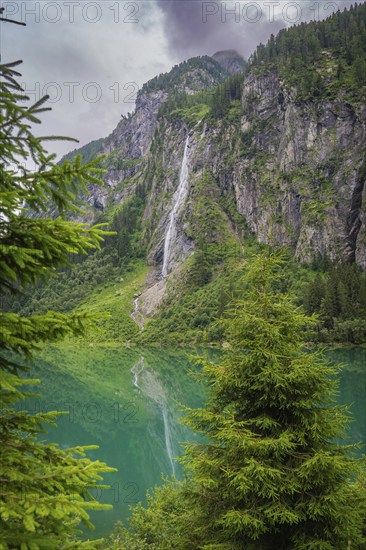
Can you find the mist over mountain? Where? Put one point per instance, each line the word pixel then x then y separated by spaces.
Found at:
pixel 230 60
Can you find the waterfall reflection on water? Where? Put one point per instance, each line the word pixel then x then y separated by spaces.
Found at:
pixel 151 386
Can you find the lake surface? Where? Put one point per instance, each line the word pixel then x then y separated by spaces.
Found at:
pixel 128 403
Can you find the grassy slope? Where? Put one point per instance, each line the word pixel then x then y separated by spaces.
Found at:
pixel 116 299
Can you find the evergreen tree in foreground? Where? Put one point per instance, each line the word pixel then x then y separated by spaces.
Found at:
pixel 272 475
pixel 44 491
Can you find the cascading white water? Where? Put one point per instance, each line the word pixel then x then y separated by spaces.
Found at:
pixel 168 437
pixel 179 198
pixel 136 315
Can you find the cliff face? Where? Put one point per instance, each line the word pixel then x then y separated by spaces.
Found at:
pixel 295 170
pixel 133 134
pixel 308 191
pixel 127 147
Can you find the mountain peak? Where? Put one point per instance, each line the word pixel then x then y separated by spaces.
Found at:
pixel 190 76
pixel 231 60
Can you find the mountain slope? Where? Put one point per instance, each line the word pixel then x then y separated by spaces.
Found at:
pixel 211 162
pixel 294 164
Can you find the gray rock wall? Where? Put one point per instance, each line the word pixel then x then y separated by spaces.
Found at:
pixel 296 170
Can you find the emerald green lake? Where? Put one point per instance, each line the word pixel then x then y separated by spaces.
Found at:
pixel 127 402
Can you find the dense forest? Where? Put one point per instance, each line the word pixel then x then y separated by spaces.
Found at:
pixel 338 297
pixel 341 37
pixel 176 79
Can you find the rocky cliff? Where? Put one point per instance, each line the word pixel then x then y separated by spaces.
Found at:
pixel 127 147
pixel 296 169
pixel 300 180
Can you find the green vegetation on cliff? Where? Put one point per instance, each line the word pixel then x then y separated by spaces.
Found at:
pixel 196 73
pixel 212 104
pixel 96 278
pixel 320 57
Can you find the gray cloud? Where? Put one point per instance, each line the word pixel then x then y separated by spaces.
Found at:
pixel 77 61
pixel 196 27
pixel 129 43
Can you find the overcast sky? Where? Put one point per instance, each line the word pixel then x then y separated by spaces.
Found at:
pixel 92 56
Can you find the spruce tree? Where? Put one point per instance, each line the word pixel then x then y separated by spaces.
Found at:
pixel 44 491
pixel 272 474
pixel 314 295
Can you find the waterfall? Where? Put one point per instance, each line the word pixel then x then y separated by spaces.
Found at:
pixel 179 198
pixel 168 437
pixel 136 315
